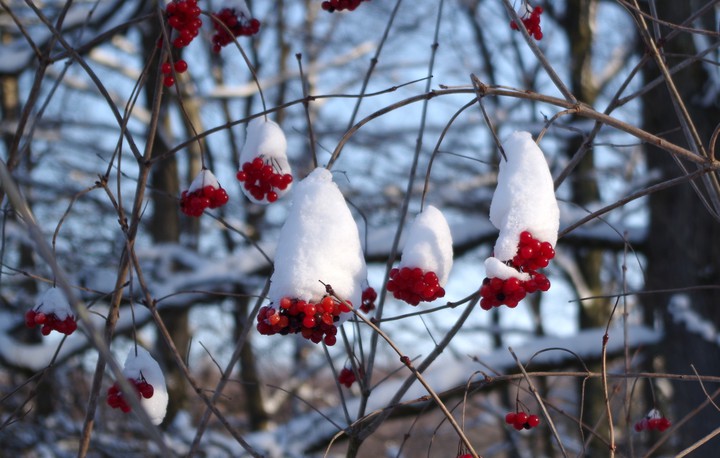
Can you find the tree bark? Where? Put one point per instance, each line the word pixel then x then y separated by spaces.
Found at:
pixel 684 242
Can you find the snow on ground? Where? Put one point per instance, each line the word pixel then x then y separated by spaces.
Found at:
pixel 303 431
pixel 682 312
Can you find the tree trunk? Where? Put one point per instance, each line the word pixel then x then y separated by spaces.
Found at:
pixel 684 243
pixel 578 23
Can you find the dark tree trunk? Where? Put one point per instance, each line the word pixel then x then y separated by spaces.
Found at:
pixel 165 228
pixel 684 242
pixel 578 23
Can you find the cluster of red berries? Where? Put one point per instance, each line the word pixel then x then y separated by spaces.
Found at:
pixel 194 203
pixel 314 321
pixel 496 292
pixel 234 21
pixel 261 180
pixel 412 285
pixel 340 5
pixel 184 17
pixel 521 420
pixel 346 377
pixel 653 421
pixel 368 300
pixel 180 67
pixel 531 22
pixel 531 255
pixel 50 322
pixel 116 400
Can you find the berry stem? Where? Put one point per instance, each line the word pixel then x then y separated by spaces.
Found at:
pixel 569 97
pixel 250 67
pixel 416 373
pixel 306 105
pixel 535 393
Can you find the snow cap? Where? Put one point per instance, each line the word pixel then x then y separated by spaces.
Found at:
pixel 524 199
pixel 429 244
pixel 266 139
pixel 495 268
pixel 240 6
pixel 143 365
pixel 204 178
pixel 318 242
pixel 53 301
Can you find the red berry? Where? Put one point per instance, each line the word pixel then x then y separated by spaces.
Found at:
pixel 510 418
pixel 521 417
pixel 180 66
pixel 533 420
pixel 168 81
pixel 165 68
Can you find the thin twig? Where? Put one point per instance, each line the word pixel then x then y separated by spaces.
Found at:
pixel 416 373
pixel 535 393
pixel 306 105
pixel 569 97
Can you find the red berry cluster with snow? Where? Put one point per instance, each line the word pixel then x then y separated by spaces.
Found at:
pixel 531 20
pixel 265 170
pixel 346 377
pixel 426 261
pixel 262 180
pixel 339 5
pixel 521 420
pixel 116 400
pixel 204 192
pixel 231 22
pixel 184 17
pixel 532 255
pixel 318 245
pixel 369 295
pixel 144 374
pixel 654 420
pixel 525 210
pixel 314 321
pixel 52 312
pixel 413 286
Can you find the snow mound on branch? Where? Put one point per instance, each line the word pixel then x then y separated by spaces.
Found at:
pixel 53 301
pixel 238 5
pixel 204 178
pixel 495 268
pixel 524 199
pixel 266 139
pixel 143 365
pixel 318 242
pixel 429 244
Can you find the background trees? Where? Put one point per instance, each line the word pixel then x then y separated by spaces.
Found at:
pixel 101 151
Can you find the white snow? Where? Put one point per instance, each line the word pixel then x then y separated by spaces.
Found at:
pixel 143 365
pixel 682 313
pixel 239 6
pixel 495 268
pixel 204 178
pixel 265 139
pixel 318 242
pixel 53 301
pixel 524 199
pixel 429 244
pixel 303 431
